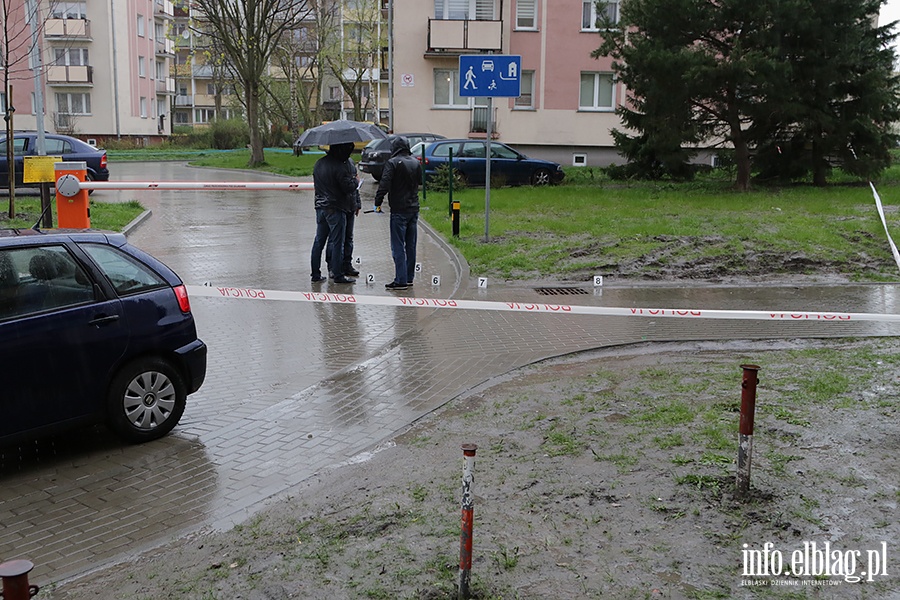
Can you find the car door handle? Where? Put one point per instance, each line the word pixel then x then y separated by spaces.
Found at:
pixel 104 320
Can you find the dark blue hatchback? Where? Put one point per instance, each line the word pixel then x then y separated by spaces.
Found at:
pixel 92 330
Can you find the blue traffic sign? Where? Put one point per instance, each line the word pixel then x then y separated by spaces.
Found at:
pixel 490 75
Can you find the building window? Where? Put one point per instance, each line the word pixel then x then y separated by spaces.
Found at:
pixel 334 92
pixel 589 14
pixel 68 10
pixel 465 10
pixel 596 91
pixel 446 89
pixel 161 70
pixel 526 91
pixel 143 107
pixel 70 56
pixel 73 104
pixel 210 89
pixel 142 67
pixel 526 14
pixel 3 101
pixel 204 115
pixel 182 118
pixel 140 25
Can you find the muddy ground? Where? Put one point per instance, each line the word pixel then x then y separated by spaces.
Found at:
pixel 609 474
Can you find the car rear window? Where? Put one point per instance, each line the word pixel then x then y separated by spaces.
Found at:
pixel 52 146
pixel 37 279
pixel 127 274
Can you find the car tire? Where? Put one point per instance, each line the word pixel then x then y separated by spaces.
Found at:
pixel 540 177
pixel 146 400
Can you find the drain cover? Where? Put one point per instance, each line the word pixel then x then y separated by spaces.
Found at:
pixel 560 291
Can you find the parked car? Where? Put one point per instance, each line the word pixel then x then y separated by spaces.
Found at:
pixel 376 152
pixel 71 149
pixel 92 329
pixel 508 166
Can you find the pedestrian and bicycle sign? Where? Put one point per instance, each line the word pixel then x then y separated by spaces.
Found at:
pixel 490 75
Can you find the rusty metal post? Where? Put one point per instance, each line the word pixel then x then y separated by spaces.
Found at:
pixel 454 216
pixel 468 517
pixel 15 580
pixel 745 437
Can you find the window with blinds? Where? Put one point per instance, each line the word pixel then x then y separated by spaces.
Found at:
pixel 526 14
pixel 465 10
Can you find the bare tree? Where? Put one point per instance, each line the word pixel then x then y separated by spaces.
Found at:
pixel 352 52
pixel 247 33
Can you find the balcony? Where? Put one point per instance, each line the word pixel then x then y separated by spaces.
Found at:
pixel 165 47
pixel 463 37
pixel 165 86
pixel 184 100
pixel 70 75
pixel 479 120
pixel 67 29
pixel 163 9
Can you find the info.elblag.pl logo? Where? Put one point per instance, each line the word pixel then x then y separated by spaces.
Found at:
pixel 820 561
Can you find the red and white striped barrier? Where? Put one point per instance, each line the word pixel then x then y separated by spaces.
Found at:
pixel 196 185
pixel 255 294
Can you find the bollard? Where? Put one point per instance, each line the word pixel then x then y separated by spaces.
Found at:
pixel 468 517
pixel 450 181
pixel 424 187
pixel 72 206
pixel 454 216
pixel 15 580
pixel 745 437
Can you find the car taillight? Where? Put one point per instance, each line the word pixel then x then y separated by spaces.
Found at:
pixel 103 161
pixel 184 303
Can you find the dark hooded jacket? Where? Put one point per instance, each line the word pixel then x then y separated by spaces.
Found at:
pixel 334 179
pixel 400 179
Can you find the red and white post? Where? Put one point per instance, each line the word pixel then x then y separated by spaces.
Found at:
pixel 468 518
pixel 745 438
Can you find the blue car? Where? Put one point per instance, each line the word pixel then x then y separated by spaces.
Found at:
pixel 92 330
pixel 508 167
pixel 69 148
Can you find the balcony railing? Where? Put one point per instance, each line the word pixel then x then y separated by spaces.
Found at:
pixel 184 100
pixel 479 120
pixel 67 28
pixel 164 8
pixel 447 36
pixel 165 85
pixel 70 74
pixel 165 47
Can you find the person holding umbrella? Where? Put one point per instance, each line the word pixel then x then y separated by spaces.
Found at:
pixel 335 183
pixel 337 194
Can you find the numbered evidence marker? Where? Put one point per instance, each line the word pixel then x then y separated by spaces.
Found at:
pixel 436 280
pixel 598 280
pixel 358 261
pixel 370 278
pixel 418 267
pixel 482 283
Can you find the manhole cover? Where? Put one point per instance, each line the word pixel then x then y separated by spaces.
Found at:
pixel 560 291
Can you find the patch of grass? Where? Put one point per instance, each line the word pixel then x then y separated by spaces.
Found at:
pixel 561 443
pixel 108 216
pixel 664 415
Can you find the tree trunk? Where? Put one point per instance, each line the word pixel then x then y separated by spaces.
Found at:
pixel 257 156
pixel 819 166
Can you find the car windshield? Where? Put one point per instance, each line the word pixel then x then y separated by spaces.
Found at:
pixel 374 143
pixel 417 149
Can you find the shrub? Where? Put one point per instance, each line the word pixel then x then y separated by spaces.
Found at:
pixel 227 134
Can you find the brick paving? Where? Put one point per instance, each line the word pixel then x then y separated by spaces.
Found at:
pixel 294 388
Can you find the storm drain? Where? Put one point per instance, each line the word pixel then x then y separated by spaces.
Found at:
pixel 560 291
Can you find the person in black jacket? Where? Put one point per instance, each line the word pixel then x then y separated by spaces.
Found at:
pixel 335 183
pixel 400 183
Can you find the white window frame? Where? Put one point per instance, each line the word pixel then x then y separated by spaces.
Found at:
pixel 68 10
pixel 597 102
pixel 465 10
pixel 141 28
pixel 143 107
pixel 142 66
pixel 525 101
pixel 526 12
pixel 69 104
pixel 589 11
pixel 71 57
pixel 448 79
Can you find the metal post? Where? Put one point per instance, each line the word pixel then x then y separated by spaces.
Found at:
pixel 424 187
pixel 748 410
pixel 450 181
pixel 455 218
pixel 487 171
pixel 468 517
pixel 15 580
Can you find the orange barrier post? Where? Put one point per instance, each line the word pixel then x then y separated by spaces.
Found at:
pixel 72 210
pixel 468 518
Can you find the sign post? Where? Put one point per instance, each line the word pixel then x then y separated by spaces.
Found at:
pixel 489 76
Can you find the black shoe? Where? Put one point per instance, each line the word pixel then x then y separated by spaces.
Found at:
pixel 316 278
pixel 351 272
pixel 343 279
pixel 395 286
pixel 331 274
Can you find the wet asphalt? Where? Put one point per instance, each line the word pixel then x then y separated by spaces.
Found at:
pixel 294 388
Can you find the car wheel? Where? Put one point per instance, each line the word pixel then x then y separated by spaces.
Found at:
pixel 541 177
pixel 146 400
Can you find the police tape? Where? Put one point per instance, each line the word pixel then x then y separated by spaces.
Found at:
pixel 239 293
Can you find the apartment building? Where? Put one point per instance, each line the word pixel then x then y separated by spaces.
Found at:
pixel 567 103
pixel 104 69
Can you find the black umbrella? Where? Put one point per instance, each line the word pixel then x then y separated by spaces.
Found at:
pixel 339 132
